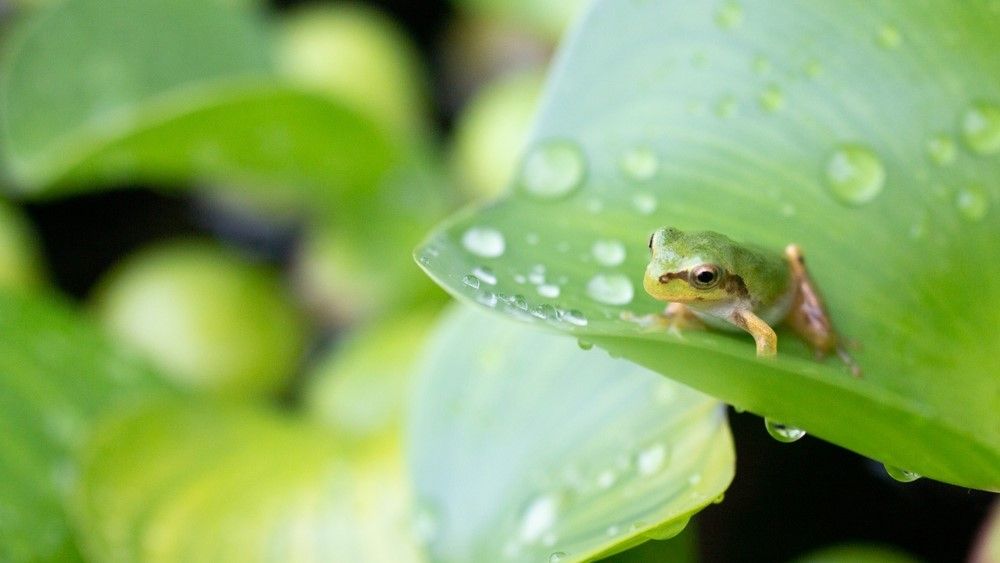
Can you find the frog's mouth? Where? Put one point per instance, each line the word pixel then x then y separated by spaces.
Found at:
pixel 670 286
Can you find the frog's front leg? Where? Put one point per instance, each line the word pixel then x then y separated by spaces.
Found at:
pixel 763 334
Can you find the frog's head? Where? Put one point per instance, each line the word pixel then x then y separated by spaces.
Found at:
pixel 689 267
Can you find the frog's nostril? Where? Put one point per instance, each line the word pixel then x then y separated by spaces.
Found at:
pixel 665 278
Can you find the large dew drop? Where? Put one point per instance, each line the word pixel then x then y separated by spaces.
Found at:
pixel 611 289
pixel 981 128
pixel 651 459
pixel 640 163
pixel 783 432
pixel 553 169
pixel 942 151
pixel 888 37
pixel 608 252
pixel 972 203
pixel 729 16
pixel 484 241
pixel 854 175
pixel 538 517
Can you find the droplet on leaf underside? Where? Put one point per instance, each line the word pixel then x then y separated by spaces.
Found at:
pixel 783 432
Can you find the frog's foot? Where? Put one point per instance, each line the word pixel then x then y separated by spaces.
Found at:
pixel 678 317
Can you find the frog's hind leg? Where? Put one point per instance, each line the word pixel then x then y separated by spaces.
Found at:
pixel 808 316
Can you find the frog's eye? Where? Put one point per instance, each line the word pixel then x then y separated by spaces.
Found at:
pixel 651 241
pixel 705 276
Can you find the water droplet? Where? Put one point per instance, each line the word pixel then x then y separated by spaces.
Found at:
pixel 584 345
pixel 544 312
pixel 783 432
pixel 611 289
pixel 553 169
pixel 645 203
pixel 606 479
pixel 538 517
pixel 651 459
pixel 487 298
pixel 613 531
pixel 719 499
pixel 471 281
pixel 574 317
pixel 594 205
pixel 548 290
pixel 729 16
pixel 813 68
pixel 426 524
pixel 771 99
pixel 608 252
pixel 981 128
pixel 888 37
pixel 972 202
pixel 694 479
pixel 942 150
pixel 901 475
pixel 557 556
pixel 639 163
pixel 537 274
pixel 485 275
pixel 520 302
pixel 727 107
pixel 854 174
pixel 518 278
pixel 484 241
pixel 761 65
pixel 667 530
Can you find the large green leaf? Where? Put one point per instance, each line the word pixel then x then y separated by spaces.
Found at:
pixel 522 446
pixel 57 374
pixel 867 132
pixel 171 91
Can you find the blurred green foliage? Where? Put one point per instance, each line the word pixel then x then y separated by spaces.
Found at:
pixel 416 435
pixel 212 320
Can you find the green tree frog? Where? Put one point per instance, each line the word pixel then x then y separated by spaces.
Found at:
pixel 709 279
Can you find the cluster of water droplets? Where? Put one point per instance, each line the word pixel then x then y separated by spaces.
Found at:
pixel 537 523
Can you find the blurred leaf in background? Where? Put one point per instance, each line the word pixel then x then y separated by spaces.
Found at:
pixel 232 483
pixel 20 255
pixel 58 374
pixel 126 97
pixel 214 321
pixel 491 133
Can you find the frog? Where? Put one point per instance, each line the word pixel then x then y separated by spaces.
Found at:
pixel 711 281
